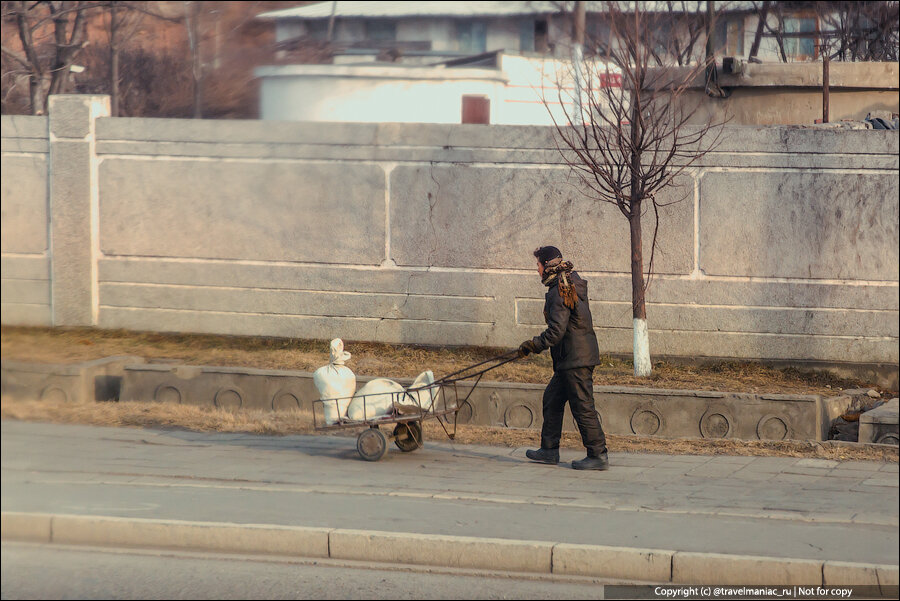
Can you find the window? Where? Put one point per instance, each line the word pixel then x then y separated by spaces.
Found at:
pixel 318 29
pixel 597 34
pixel 381 30
pixel 796 45
pixel 729 36
pixel 471 36
pixel 526 35
pixel 541 36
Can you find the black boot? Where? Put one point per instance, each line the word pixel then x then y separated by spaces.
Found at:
pixel 549 456
pixel 592 463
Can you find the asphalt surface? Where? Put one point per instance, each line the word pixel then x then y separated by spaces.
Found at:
pixel 32 571
pixel 782 507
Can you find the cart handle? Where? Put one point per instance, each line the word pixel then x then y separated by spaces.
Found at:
pixel 501 359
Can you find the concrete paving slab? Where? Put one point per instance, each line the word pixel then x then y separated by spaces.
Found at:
pixel 817 463
pixel 859 466
pixel 891 482
pixel 807 471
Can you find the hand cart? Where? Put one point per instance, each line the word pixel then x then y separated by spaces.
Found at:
pixel 408 409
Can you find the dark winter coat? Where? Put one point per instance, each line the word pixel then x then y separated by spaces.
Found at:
pixel 570 333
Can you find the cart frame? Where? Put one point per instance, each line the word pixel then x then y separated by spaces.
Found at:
pixel 407 413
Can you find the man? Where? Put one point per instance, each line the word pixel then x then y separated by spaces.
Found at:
pixel 573 347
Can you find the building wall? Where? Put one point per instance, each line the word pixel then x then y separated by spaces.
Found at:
pixel 783 245
pixel 374 93
pixel 774 94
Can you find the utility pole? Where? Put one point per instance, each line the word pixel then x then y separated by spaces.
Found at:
pixel 578 57
pixel 826 92
pixel 330 33
pixel 114 58
pixel 193 29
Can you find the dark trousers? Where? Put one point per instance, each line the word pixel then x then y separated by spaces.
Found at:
pixel 577 387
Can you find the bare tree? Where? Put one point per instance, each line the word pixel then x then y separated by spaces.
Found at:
pixel 677 31
pixel 632 139
pixel 860 31
pixel 47 59
pixel 762 16
pixel 124 20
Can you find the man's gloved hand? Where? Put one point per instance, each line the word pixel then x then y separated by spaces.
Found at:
pixel 527 348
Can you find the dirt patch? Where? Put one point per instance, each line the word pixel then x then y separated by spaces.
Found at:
pixel 65 345
pixel 203 419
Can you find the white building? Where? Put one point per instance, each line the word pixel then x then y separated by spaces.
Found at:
pixel 517 91
pixel 452 62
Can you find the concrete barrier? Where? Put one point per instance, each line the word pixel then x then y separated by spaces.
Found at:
pixel 537 557
pixel 624 410
pixel 98 380
pixel 881 425
pixel 445 551
pixel 25 526
pixel 711 568
pixel 651 565
pixel 234 538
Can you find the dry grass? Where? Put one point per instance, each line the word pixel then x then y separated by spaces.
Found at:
pixel 206 419
pixel 59 345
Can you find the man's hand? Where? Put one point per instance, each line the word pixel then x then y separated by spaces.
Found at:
pixel 526 348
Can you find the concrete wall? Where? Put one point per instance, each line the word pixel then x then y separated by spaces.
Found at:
pixel 783 247
pixel 25 242
pixel 778 93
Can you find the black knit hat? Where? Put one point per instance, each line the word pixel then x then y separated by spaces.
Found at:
pixel 547 253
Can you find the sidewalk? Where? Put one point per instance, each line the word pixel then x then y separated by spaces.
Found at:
pixel 758 506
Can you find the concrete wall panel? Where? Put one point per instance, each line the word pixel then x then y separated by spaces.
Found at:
pixel 602 287
pixel 788 229
pixel 728 319
pixel 32 292
pixel 16 314
pixel 465 216
pixel 294 302
pixel 23 126
pixel 25 267
pixel 408 331
pixel 23 197
pixel 328 213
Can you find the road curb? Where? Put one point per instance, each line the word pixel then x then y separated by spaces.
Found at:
pixel 623 563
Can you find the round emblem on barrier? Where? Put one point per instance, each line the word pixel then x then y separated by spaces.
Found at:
pixel 716 423
pixel 285 401
pixel 228 398
pixel 464 416
pixel 166 393
pixel 889 438
pixel 774 427
pixel 646 421
pixel 55 394
pixel 519 416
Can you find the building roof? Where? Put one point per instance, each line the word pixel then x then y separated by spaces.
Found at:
pixel 322 10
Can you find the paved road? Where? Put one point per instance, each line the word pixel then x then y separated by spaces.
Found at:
pixel 52 572
pixel 782 507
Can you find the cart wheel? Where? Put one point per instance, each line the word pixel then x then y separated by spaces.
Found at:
pixel 408 436
pixel 371 444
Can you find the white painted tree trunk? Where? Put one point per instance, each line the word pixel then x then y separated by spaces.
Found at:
pixel 642 366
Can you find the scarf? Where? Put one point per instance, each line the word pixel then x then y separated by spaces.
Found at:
pixel 557 269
